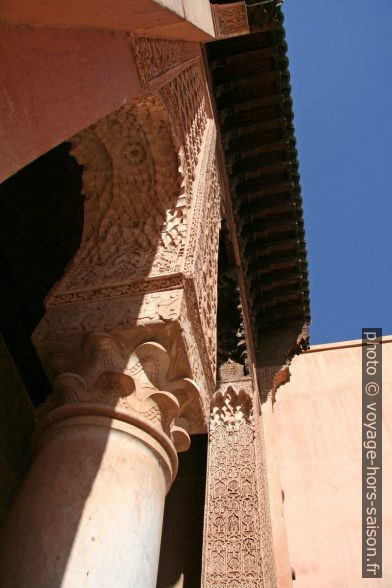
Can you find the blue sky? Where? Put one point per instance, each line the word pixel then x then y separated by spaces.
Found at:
pixel 340 55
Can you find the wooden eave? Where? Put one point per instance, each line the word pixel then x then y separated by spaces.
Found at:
pixel 250 86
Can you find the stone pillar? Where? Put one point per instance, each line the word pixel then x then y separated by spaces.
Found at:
pixel 237 542
pixel 90 510
pixel 128 339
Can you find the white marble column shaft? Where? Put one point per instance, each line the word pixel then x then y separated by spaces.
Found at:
pixel 89 513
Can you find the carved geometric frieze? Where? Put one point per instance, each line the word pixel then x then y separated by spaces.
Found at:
pixel 174 71
pixel 237 536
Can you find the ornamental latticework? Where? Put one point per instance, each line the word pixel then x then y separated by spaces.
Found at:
pixel 237 527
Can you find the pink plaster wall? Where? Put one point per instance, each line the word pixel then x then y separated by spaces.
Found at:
pixel 55 82
pixel 318 441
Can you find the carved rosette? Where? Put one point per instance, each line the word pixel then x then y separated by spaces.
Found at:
pixel 237 542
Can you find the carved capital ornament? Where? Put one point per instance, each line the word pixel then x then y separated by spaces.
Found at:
pixel 104 379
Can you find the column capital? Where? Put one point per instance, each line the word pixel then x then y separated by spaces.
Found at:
pixel 140 386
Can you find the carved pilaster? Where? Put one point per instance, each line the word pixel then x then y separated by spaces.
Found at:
pixel 237 540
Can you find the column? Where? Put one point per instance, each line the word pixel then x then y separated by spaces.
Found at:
pixel 90 510
pixel 128 339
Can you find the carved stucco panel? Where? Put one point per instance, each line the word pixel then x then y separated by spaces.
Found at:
pixel 174 70
pixel 150 181
pixel 123 312
pixel 156 58
pixel 184 98
pixel 205 264
pixel 201 257
pixel 192 336
pixel 135 211
pixel 66 332
pixel 198 274
pixel 237 536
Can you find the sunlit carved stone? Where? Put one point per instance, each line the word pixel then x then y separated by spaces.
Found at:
pixel 105 456
pixel 237 546
pixel 150 242
pixel 128 341
pixel 136 390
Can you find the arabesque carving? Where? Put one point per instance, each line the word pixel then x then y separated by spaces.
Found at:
pixel 230 20
pixel 135 215
pixel 174 71
pixel 237 540
pixel 149 179
pixel 127 312
pixel 158 59
pixel 201 260
pixel 190 115
pixel 118 258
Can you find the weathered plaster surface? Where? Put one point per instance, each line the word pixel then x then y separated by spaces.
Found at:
pixel 318 436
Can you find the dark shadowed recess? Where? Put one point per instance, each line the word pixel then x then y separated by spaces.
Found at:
pixel 182 536
pixel 41 222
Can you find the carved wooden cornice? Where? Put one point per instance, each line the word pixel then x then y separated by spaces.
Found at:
pixel 250 85
pixel 230 19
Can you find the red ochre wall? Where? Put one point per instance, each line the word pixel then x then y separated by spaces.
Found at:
pixel 55 82
pixel 317 419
